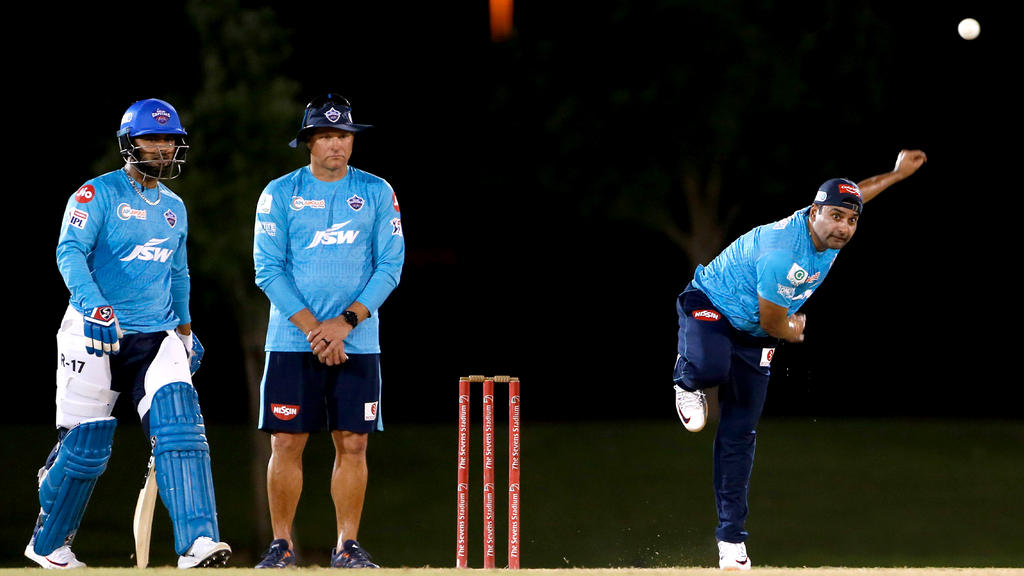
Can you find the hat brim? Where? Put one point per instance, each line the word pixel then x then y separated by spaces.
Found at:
pixel 304 133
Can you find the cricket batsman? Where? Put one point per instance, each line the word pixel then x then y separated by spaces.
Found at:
pixel 127 329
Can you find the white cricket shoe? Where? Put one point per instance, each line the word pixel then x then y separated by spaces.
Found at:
pixel 205 553
pixel 733 556
pixel 692 408
pixel 60 559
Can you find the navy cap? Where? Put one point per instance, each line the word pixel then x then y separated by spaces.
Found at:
pixel 840 192
pixel 326 111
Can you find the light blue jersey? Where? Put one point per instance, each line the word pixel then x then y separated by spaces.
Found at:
pixel 116 249
pixel 324 245
pixel 777 262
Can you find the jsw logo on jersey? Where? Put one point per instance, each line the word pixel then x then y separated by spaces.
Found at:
pixel 150 251
pixel 334 235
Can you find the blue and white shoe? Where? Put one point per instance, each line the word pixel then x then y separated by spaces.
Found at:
pixel 278 555
pixel 352 556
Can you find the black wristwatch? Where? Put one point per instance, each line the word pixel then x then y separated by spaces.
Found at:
pixel 350 317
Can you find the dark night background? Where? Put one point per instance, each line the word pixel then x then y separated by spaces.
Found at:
pixel 524 169
pixel 543 184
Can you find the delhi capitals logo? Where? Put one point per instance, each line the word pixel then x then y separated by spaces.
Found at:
pixel 333 115
pixel 161 116
pixel 171 218
pixel 355 202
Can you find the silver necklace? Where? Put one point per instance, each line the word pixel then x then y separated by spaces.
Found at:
pixel 138 191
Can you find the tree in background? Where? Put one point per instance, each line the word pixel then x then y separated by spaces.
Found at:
pixel 681 116
pixel 240 121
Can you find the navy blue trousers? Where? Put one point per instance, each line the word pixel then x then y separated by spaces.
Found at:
pixel 713 353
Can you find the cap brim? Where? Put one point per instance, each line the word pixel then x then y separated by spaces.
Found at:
pixel 348 127
pixel 848 201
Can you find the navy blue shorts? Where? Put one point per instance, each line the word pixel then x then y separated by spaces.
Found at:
pixel 301 394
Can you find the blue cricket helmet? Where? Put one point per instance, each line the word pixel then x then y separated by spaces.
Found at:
pixel 326 111
pixel 150 116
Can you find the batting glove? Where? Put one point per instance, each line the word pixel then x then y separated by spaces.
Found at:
pixel 193 348
pixel 102 332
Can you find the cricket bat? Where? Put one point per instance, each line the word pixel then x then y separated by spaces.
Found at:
pixel 143 524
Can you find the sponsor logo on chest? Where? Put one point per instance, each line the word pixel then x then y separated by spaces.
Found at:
pixel 298 203
pixel 334 235
pixel 150 252
pixel 126 212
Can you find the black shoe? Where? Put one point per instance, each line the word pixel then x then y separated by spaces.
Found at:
pixel 351 557
pixel 278 556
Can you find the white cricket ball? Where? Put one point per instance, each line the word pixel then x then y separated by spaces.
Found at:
pixel 969 28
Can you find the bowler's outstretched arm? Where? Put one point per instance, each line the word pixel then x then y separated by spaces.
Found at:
pixel 906 164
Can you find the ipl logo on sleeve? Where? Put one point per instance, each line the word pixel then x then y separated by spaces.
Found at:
pixel 78 218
